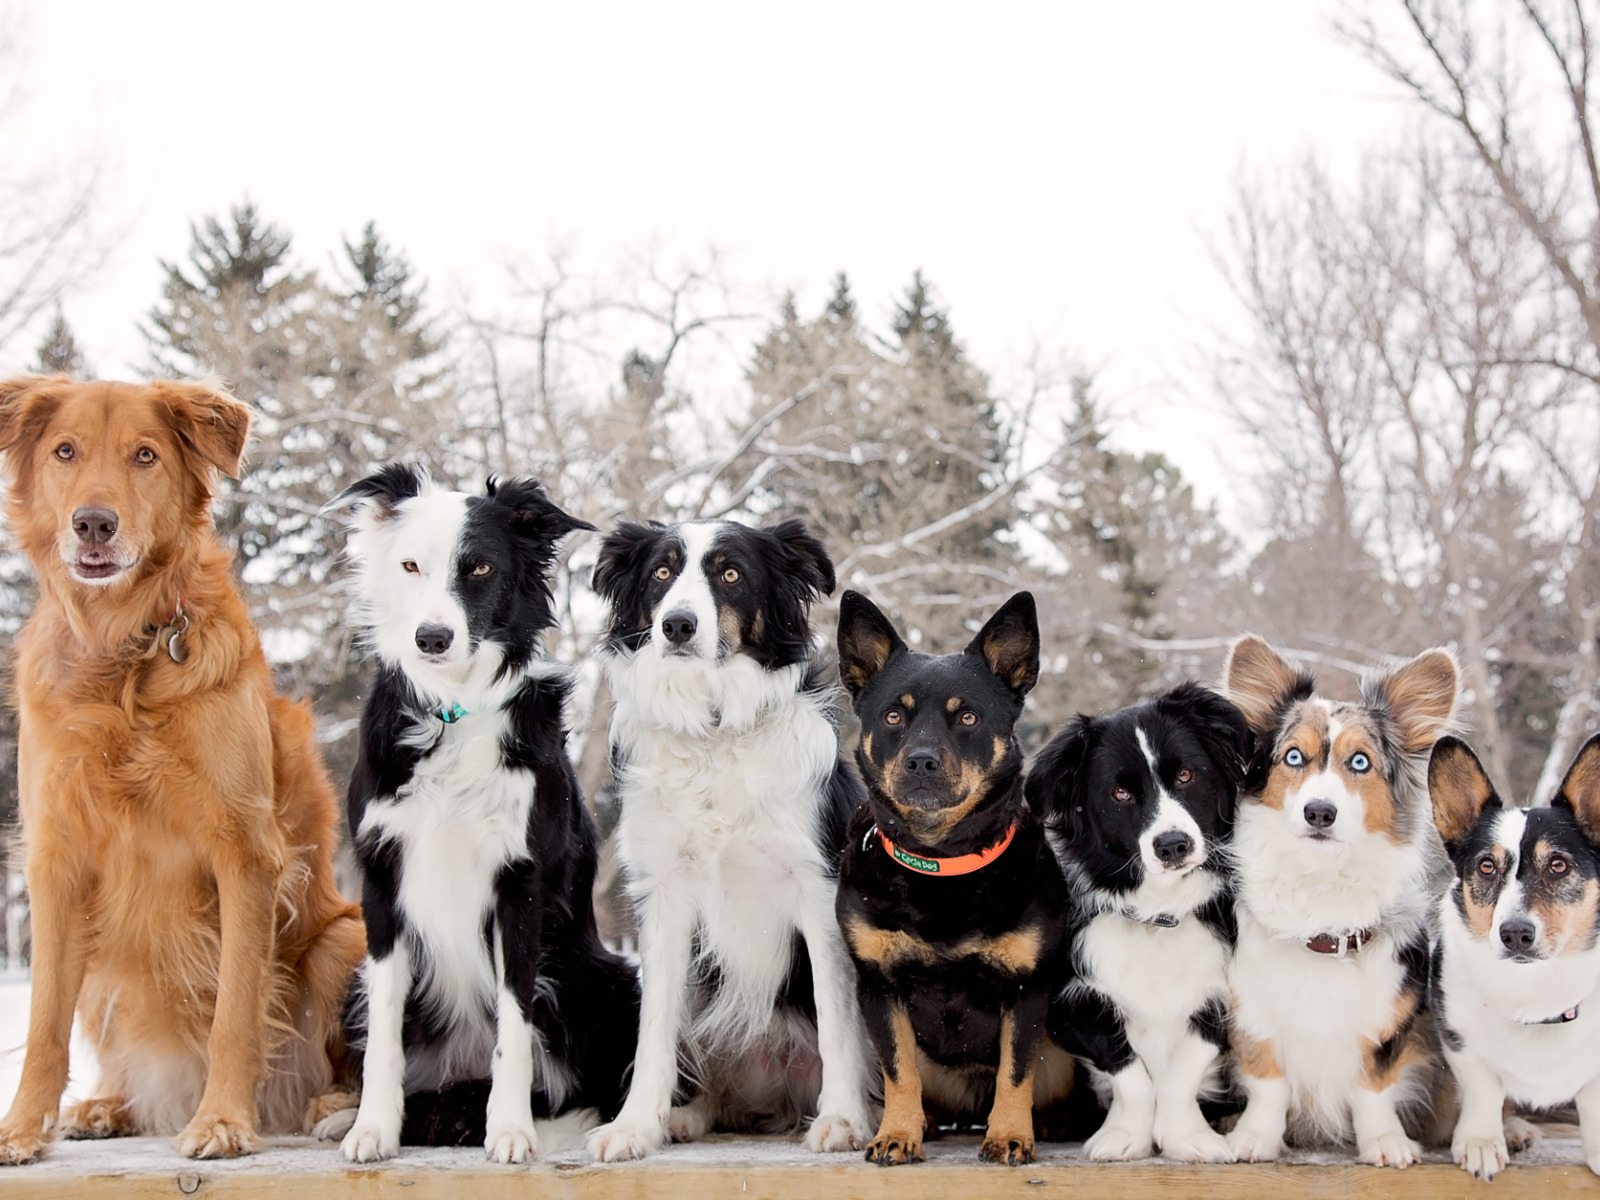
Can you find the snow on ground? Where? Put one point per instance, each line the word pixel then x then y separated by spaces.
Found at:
pixel 14 992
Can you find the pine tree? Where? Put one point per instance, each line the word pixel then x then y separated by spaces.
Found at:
pixel 59 353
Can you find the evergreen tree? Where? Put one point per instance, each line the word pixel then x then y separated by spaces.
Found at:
pixel 59 353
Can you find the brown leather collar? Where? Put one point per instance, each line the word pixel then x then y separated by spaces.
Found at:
pixel 1340 944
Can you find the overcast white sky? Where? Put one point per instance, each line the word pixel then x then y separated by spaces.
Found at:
pixel 1053 167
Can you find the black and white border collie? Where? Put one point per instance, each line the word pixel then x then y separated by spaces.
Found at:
pixel 477 856
pixel 1517 965
pixel 734 800
pixel 1140 805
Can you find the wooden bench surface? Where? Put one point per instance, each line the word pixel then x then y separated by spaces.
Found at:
pixel 775 1168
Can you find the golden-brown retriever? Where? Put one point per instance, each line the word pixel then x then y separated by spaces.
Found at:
pixel 178 823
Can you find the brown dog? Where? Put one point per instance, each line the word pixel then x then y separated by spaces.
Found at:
pixel 178 822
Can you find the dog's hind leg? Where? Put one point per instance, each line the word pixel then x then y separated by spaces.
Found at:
pixel 102 1117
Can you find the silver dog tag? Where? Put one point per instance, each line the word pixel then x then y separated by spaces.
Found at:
pixel 176 650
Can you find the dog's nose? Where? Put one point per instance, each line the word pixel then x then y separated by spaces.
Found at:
pixel 679 626
pixel 94 526
pixel 1517 935
pixel 1172 847
pixel 923 761
pixel 1320 814
pixel 434 639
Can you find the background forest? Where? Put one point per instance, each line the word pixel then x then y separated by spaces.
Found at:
pixel 1414 407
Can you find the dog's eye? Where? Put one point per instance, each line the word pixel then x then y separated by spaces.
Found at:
pixel 663 573
pixel 731 575
pixel 969 719
pixel 482 569
pixel 144 456
pixel 1360 763
pixel 1294 759
pixel 1122 795
pixel 64 452
pixel 893 717
pixel 1557 865
pixel 1486 865
pixel 1185 775
pixel 411 567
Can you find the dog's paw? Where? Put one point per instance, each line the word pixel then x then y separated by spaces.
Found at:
pixel 688 1123
pixel 623 1139
pixel 894 1147
pixel 511 1145
pixel 1202 1145
pixel 1388 1150
pixel 1481 1157
pixel 212 1135
pixel 1118 1143
pixel 830 1133
pixel 335 1125
pixel 368 1142
pixel 18 1146
pixel 330 1104
pixel 1012 1148
pixel 1521 1135
pixel 103 1117
pixel 1253 1145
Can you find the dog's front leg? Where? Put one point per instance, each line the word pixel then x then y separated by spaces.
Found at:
pixel 376 1133
pixel 1479 1142
pixel 899 1138
pixel 666 943
pixel 57 899
pixel 1009 1137
pixel 842 1118
pixel 1258 1136
pixel 510 1134
pixel 225 1124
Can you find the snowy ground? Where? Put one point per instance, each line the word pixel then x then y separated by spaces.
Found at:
pixel 14 992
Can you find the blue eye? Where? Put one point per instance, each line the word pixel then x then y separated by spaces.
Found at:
pixel 1294 759
pixel 1360 763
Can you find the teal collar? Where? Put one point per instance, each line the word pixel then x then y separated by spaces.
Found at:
pixel 452 714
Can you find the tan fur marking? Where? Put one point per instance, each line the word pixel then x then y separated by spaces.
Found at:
pixel 1458 789
pixel 1377 802
pixel 1581 787
pixel 1421 697
pixel 864 657
pixel 1412 1053
pixel 1016 952
pixel 1480 917
pixel 866 745
pixel 1258 680
pixel 1256 1059
pixel 1009 1136
pixel 1310 737
pixel 952 704
pixel 899 1137
pixel 728 628
pixel 908 701
pixel 1566 924
pixel 887 947
pixel 934 825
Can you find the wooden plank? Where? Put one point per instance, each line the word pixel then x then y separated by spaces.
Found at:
pixel 762 1169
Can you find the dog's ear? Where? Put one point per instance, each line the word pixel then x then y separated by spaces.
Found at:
pixel 1053 783
pixel 532 513
pixel 1262 684
pixel 1220 725
pixel 208 421
pixel 1460 789
pixel 622 555
pixel 26 405
pixel 1580 790
pixel 1420 698
pixel 1009 644
pixel 867 641
pixel 376 499
pixel 804 559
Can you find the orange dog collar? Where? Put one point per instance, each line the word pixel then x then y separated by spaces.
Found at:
pixel 963 864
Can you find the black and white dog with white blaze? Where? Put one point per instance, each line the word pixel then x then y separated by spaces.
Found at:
pixel 734 800
pixel 477 855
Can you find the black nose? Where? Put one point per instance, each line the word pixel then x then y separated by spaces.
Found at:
pixel 679 626
pixel 434 639
pixel 1320 814
pixel 94 526
pixel 1517 935
pixel 1172 847
pixel 923 761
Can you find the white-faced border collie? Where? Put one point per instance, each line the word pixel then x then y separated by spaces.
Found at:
pixel 477 856
pixel 1517 964
pixel 1140 805
pixel 734 801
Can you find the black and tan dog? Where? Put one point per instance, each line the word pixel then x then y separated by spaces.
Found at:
pixel 951 901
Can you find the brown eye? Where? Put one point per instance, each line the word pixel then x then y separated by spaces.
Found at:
pixel 64 452
pixel 411 567
pixel 1185 775
pixel 482 569
pixel 731 575
pixel 1122 795
pixel 1486 866
pixel 969 718
pixel 144 456
pixel 1558 866
pixel 893 717
pixel 663 573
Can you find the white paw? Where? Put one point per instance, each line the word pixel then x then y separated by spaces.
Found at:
pixel 1592 1157
pixel 1481 1157
pixel 829 1133
pixel 624 1139
pixel 511 1145
pixel 688 1123
pixel 1201 1145
pixel 1388 1150
pixel 1118 1143
pixel 334 1126
pixel 1520 1134
pixel 1254 1145
pixel 367 1141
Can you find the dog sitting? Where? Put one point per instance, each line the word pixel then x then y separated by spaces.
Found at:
pixel 733 803
pixel 178 823
pixel 950 898
pixel 1140 808
pixel 1335 851
pixel 476 853
pixel 1517 968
